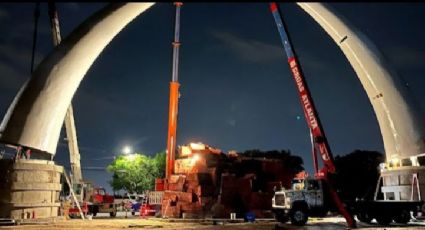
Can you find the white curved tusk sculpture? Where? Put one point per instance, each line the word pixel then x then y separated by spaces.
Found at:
pixel 37 117
pixel 402 130
pixel 35 120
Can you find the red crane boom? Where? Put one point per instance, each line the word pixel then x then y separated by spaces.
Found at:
pixel 320 142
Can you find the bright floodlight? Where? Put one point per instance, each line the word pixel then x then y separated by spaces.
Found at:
pixel 126 150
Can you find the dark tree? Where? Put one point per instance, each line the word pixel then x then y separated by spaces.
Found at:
pixel 357 174
pixel 290 161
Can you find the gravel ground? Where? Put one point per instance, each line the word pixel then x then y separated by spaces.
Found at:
pixel 105 223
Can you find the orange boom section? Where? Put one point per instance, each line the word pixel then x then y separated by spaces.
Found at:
pixel 172 127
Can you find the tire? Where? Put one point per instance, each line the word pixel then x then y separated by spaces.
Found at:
pixel 94 210
pixel 299 216
pixel 364 217
pixel 113 214
pixel 133 213
pixel 403 217
pixel 383 219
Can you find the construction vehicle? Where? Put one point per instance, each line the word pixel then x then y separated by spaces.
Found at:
pixel 99 201
pixel 92 200
pixel 312 196
pixel 174 98
pixel 299 210
pixel 308 197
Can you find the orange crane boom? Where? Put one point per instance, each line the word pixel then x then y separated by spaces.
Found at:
pixel 174 98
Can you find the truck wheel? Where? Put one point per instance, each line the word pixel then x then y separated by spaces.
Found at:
pixel 299 216
pixel 383 219
pixel 113 214
pixel 364 217
pixel 403 217
pixel 94 209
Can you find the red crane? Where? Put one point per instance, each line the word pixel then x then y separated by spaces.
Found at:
pixel 319 140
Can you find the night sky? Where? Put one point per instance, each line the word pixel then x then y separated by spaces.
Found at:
pixel 236 89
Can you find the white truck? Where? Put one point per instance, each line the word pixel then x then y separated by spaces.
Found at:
pixel 308 198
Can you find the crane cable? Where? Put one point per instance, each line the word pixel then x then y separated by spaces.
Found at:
pixel 34 36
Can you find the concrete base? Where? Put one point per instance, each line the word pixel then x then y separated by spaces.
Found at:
pixel 29 189
pixel 397 183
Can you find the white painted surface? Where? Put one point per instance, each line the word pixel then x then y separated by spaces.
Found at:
pixel 36 119
pixel 401 128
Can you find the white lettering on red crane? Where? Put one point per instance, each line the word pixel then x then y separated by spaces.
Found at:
pixel 309 111
pixel 296 74
pixel 304 98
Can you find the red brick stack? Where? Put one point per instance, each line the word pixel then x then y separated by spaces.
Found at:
pixel 192 189
pixel 207 180
pixel 188 194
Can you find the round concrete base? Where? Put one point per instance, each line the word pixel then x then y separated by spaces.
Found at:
pixel 29 189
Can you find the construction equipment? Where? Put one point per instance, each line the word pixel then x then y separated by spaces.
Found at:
pixel 100 201
pixel 311 195
pixel 320 142
pixel 174 97
pixel 93 200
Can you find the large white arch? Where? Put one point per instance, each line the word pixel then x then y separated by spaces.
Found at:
pixel 401 128
pixel 35 120
pixel 37 117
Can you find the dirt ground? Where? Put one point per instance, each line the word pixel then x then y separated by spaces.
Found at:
pixel 105 223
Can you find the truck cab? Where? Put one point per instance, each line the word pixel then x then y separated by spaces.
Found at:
pixel 305 198
pixel 101 202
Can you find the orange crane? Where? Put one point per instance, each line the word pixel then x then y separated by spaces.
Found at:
pixel 319 139
pixel 174 98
